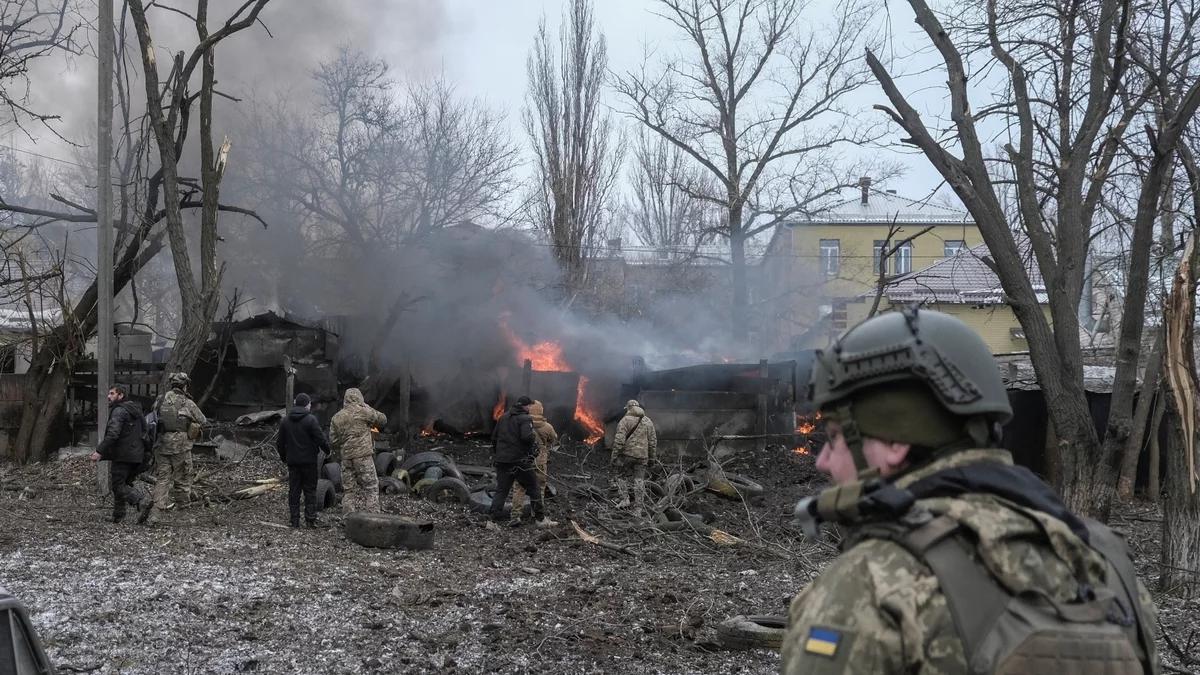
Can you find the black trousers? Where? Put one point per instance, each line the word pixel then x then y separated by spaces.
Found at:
pixel 302 478
pixel 508 473
pixel 120 478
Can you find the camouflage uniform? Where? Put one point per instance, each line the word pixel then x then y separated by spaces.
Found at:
pixel 173 451
pixel 954 562
pixel 351 437
pixel 887 608
pixel 545 437
pixel 635 444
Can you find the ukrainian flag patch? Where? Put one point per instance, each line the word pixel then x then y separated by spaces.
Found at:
pixel 823 641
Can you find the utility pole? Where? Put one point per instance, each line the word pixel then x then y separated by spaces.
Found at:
pixel 104 231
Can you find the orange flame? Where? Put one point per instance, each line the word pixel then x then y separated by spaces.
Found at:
pixel 498 409
pixel 804 427
pixel 587 418
pixel 545 356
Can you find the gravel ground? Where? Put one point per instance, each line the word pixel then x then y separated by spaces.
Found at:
pixel 223 588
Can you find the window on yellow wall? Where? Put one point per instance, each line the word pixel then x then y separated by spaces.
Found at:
pixel 831 257
pixel 951 247
pixel 878 263
pixel 903 257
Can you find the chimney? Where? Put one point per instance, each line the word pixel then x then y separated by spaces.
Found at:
pixel 864 184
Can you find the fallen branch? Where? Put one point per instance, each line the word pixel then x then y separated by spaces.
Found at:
pixel 262 488
pixel 596 541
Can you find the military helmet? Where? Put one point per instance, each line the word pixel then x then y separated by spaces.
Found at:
pixel 920 345
pixel 179 379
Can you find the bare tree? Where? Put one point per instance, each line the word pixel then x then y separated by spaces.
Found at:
pixel 379 165
pixel 578 160
pixel 31 30
pixel 761 105
pixel 662 212
pixel 169 105
pixel 1069 112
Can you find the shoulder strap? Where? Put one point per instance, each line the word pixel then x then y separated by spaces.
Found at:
pixel 635 426
pixel 1106 542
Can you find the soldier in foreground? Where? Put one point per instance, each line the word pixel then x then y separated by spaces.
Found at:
pixel 350 434
pixel 954 561
pixel 180 419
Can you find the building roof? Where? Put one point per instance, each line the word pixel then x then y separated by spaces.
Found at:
pixel 963 278
pixel 887 207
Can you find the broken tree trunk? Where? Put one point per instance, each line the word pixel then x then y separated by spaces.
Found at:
pixel 1127 477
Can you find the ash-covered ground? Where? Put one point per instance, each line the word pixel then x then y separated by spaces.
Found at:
pixel 224 588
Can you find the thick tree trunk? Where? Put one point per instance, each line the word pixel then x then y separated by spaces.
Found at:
pixel 1153 486
pixel 1180 573
pixel 737 257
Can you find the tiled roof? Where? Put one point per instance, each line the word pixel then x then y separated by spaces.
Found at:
pixel 961 279
pixel 886 207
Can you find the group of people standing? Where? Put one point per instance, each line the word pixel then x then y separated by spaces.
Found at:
pixel 522 442
pixel 131 448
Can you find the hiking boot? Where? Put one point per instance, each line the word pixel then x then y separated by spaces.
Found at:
pixel 118 517
pixel 546 522
pixel 492 525
pixel 316 525
pixel 295 524
pixel 149 518
pixel 144 508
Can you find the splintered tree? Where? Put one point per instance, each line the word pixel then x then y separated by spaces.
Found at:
pixel 1092 98
pixel 169 105
pixel 143 200
pixel 759 101
pixel 573 140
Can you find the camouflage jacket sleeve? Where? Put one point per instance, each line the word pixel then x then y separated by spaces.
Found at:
pixel 877 610
pixel 193 411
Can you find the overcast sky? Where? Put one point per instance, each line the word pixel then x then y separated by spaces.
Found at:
pixel 482 45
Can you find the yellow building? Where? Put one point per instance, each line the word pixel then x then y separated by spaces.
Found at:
pixel 824 273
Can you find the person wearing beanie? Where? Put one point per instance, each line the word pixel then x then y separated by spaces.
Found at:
pixel 546 437
pixel 299 443
pixel 514 444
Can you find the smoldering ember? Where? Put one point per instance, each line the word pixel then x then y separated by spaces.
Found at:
pixel 567 336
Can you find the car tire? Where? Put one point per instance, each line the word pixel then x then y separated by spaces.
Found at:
pixel 388 530
pixel 448 490
pixel 756 631
pixel 385 463
pixel 416 463
pixel 332 472
pixel 326 495
pixel 391 486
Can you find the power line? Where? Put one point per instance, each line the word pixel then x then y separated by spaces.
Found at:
pixel 12 148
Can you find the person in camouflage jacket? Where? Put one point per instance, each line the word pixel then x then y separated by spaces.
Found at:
pixel 635 446
pixel 351 437
pixel 913 404
pixel 179 418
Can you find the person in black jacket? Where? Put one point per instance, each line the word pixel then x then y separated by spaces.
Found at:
pixel 125 451
pixel 515 447
pixel 300 440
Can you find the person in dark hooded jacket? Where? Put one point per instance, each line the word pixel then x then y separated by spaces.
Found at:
pixel 300 442
pixel 123 448
pixel 515 444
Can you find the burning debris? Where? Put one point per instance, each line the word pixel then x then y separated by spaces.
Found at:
pixel 808 430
